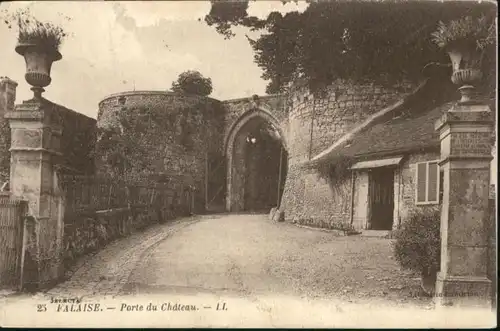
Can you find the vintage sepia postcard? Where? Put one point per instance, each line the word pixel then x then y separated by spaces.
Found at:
pixel 246 164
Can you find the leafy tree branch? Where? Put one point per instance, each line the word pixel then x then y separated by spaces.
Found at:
pixel 382 41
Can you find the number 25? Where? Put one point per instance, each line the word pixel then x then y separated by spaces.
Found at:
pixel 41 308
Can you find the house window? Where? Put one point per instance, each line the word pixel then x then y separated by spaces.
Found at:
pixel 427 183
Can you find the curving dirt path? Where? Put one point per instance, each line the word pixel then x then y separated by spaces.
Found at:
pixel 248 255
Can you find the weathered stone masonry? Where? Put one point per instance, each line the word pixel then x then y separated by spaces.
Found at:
pixel 307 125
pixel 188 134
pixel 313 125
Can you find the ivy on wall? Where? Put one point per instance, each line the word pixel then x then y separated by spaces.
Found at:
pixel 150 140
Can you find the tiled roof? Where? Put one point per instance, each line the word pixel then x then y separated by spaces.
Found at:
pixel 409 132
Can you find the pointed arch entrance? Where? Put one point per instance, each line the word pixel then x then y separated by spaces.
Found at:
pixel 257 162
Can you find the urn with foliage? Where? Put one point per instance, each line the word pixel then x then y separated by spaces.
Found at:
pixel 39 44
pixel 465 40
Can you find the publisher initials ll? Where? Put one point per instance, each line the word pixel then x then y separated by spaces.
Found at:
pixel 221 306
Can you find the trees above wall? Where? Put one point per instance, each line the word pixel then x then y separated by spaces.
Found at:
pixel 381 41
pixel 192 82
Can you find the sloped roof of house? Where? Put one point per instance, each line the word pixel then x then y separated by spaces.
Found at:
pixel 407 125
pixel 410 132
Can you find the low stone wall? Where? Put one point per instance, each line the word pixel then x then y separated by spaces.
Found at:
pixel 90 232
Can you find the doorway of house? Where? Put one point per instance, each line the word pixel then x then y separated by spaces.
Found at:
pixel 381 198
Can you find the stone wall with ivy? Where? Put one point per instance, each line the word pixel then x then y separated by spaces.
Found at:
pixel 315 123
pixel 150 132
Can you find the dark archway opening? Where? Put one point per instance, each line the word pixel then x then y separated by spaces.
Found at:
pixel 260 167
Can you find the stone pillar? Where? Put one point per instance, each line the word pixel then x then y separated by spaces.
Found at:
pixel 466 140
pixel 35 144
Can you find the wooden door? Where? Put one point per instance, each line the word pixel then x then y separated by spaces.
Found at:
pixel 381 198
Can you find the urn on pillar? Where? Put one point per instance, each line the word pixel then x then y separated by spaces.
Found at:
pixel 39 61
pixel 39 44
pixel 465 41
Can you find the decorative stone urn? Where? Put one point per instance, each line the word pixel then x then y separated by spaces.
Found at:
pixel 466 64
pixel 39 59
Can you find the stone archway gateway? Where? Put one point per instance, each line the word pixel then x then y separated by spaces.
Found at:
pixel 257 162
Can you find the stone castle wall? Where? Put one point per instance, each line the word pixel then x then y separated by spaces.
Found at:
pixel 314 201
pixel 193 128
pixel 313 125
pixel 176 132
pixel 309 124
pixel 316 122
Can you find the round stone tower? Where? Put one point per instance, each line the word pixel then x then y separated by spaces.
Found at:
pixel 164 133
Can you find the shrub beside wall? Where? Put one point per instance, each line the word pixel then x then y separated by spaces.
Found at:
pixel 418 246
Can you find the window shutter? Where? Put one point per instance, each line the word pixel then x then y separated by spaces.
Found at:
pixel 433 182
pixel 421 181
